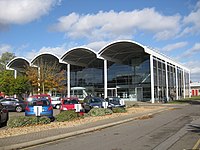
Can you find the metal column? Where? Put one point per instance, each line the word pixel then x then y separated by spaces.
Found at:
pixel 167 84
pixel 105 79
pixel 176 82
pixel 183 83
pixel 68 80
pixel 15 74
pixel 152 79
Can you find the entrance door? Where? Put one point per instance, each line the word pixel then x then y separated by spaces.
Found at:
pixel 139 93
pixel 112 92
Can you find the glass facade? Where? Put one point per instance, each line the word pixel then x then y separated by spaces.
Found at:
pixel 130 79
pixel 162 84
pixel 91 78
pixel 159 70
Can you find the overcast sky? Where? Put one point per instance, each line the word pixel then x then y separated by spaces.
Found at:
pixel 29 27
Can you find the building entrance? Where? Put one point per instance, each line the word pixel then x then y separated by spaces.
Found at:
pixel 112 92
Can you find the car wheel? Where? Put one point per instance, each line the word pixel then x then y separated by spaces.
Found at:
pixel 18 109
pixel 57 106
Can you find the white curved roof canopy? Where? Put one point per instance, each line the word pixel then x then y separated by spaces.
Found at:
pixel 117 51
pixel 46 57
pixel 80 56
pixel 18 63
pixel 120 50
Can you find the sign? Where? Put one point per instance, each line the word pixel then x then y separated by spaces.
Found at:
pixel 78 107
pixel 121 102
pixel 37 110
pixel 105 104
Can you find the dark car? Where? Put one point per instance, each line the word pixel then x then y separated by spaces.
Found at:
pixel 92 102
pixel 39 107
pixel 3 115
pixel 13 104
pixel 114 102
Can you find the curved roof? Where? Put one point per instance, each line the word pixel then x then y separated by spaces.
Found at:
pixel 46 57
pixel 119 51
pixel 80 56
pixel 18 63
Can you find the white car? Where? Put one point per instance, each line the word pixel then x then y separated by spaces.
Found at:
pixel 56 101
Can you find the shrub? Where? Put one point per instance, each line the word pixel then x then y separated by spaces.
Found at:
pixel 67 116
pixel 99 112
pixel 26 121
pixel 119 110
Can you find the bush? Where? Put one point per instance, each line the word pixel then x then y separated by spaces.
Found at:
pixel 119 110
pixel 26 121
pixel 67 116
pixel 99 112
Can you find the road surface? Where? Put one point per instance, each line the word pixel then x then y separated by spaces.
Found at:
pixel 166 130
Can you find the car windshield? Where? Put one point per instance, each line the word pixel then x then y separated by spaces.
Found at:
pixel 39 102
pixel 96 100
pixel 70 101
pixel 114 99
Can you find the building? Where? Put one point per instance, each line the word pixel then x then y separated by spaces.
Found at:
pixel 195 88
pixel 122 68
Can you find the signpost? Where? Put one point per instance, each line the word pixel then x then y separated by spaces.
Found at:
pixel 37 110
pixel 78 107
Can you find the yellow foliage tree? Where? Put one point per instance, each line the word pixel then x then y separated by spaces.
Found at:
pixel 47 77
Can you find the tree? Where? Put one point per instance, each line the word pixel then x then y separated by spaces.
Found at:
pixel 7 82
pixel 4 59
pixel 46 77
pixel 21 86
pixel 11 86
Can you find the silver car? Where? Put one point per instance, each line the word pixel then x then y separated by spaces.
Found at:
pixel 13 104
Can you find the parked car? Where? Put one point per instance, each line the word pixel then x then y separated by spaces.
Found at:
pixel 13 104
pixel 92 102
pixel 69 103
pixel 3 115
pixel 39 107
pixel 34 97
pixel 114 102
pixel 56 102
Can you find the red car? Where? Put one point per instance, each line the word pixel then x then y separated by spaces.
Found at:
pixel 71 103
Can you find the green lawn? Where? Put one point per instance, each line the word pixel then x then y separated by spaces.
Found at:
pixel 192 100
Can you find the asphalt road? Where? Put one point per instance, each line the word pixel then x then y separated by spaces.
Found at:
pixel 166 130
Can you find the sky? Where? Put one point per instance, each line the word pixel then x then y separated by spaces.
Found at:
pixel 172 27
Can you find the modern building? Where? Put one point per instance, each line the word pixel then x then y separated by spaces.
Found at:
pixel 122 68
pixel 195 88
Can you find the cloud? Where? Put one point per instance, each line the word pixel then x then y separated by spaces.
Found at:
pixel 96 46
pixel 116 25
pixel 195 70
pixel 5 48
pixel 171 47
pixel 190 52
pixel 58 50
pixel 192 21
pixel 54 50
pixel 23 11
